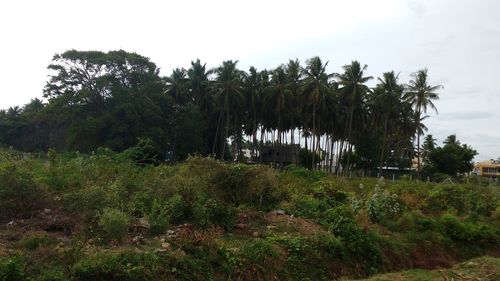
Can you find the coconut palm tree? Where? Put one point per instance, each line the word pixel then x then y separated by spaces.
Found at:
pixel 228 89
pixel 352 90
pixel 177 85
pixel 253 94
pixel 315 87
pixel 276 98
pixel 421 96
pixel 293 73
pixel 199 83
pixel 388 94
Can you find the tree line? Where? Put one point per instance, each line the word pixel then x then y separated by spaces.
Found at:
pixel 119 99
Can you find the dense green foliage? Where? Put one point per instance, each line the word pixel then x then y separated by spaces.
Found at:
pixel 451 159
pixel 105 217
pixel 119 101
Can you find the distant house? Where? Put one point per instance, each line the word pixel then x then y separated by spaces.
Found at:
pixel 490 168
pixel 287 154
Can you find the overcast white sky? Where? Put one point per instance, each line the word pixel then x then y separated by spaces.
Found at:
pixel 458 41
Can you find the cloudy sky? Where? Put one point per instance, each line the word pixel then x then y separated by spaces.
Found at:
pixel 457 40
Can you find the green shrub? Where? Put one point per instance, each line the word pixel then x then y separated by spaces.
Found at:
pixel 301 172
pixel 255 186
pixel 11 270
pixel 468 231
pixel 145 152
pixel 259 251
pixel 53 275
pixel 19 194
pixel 359 247
pixel 178 209
pixel 212 212
pixel 33 242
pixel 383 205
pixel 447 197
pixel 309 207
pixel 90 201
pixel 158 218
pixel 128 266
pixel 328 243
pixel 114 224
pixel 483 201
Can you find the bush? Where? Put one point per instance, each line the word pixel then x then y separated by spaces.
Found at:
pixel 383 205
pixel 447 197
pixel 259 251
pixel 359 247
pixel 114 224
pixel 158 218
pixel 329 243
pixel 468 231
pixel 19 194
pixel 11 270
pixel 309 207
pixel 33 242
pixel 90 201
pixel 53 275
pixel 145 152
pixel 127 266
pixel 178 209
pixel 215 213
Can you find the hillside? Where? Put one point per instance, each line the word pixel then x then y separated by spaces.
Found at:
pixel 104 217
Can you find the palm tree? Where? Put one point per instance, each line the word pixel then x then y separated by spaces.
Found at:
pixel 176 85
pixel 293 73
pixel 199 85
pixel 388 98
pixel 253 91
pixel 315 87
pixel 276 97
pixel 228 90
pixel 420 95
pixel 428 146
pixel 352 89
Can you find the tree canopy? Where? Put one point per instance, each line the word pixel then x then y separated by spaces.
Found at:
pixel 117 99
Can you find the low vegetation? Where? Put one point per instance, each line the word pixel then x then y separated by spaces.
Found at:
pixel 106 216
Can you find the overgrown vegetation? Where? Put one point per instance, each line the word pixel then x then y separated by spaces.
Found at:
pixel 118 100
pixel 108 217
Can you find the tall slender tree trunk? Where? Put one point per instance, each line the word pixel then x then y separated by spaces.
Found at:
pixel 351 116
pixel 332 149
pixel 225 136
pixel 383 145
pixel 261 148
pixel 318 142
pixel 313 134
pixel 339 156
pixel 216 133
pixel 418 143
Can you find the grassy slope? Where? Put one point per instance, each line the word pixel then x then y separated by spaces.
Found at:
pixel 484 268
pixel 52 210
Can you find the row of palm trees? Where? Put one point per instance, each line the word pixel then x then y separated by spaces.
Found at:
pixel 333 115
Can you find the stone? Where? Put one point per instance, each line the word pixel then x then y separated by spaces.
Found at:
pixel 138 239
pixel 255 234
pixel 240 226
pixel 143 222
pixel 279 212
pixel 165 245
